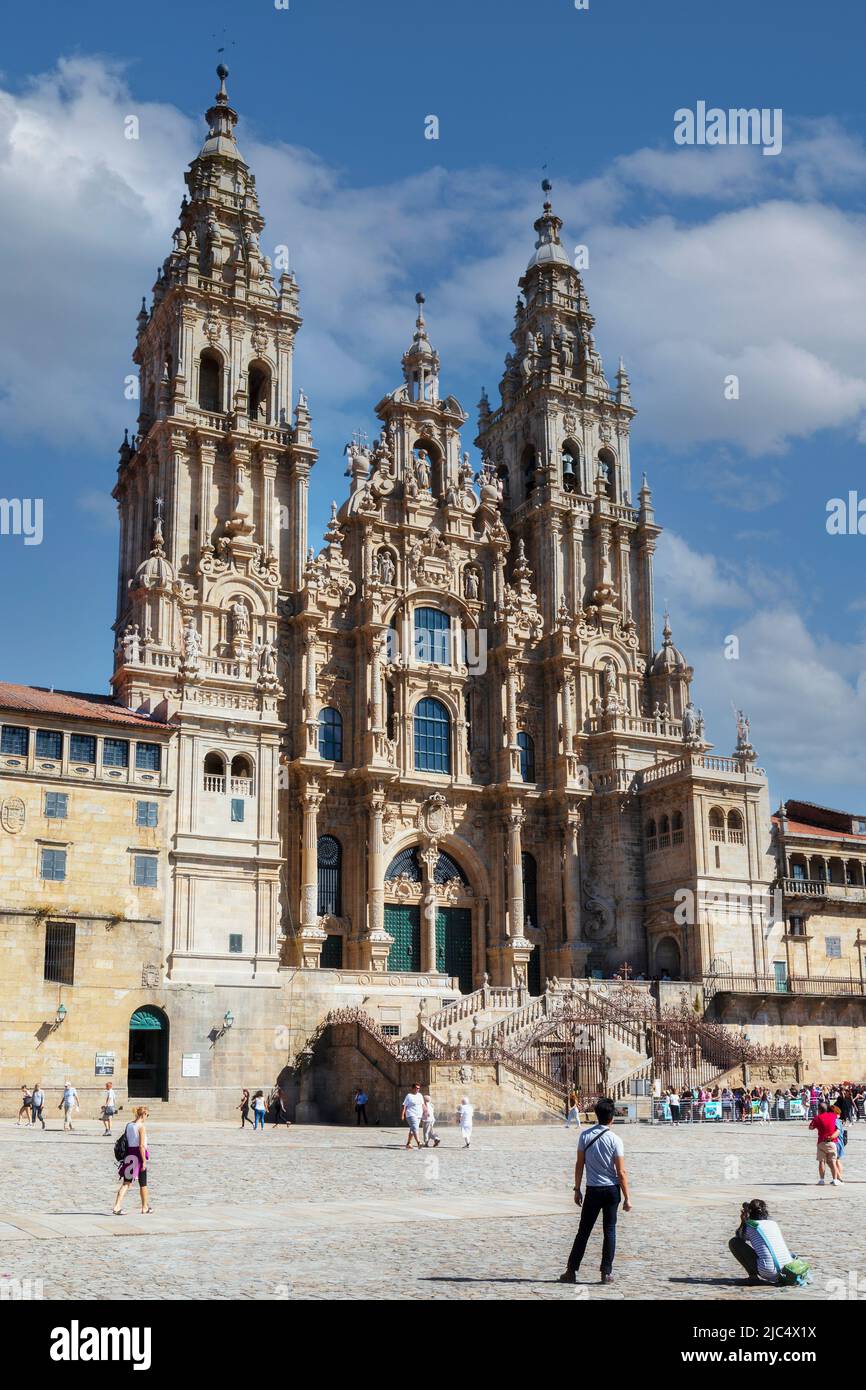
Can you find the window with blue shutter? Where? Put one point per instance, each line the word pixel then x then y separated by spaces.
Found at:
pixel 52 865
pixel 144 871
pixel 237 809
pixel 56 805
pixel 146 814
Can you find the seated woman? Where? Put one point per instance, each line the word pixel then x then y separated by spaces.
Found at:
pixel 757 1241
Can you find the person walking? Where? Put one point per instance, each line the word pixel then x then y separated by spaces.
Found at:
pixel 428 1124
pixel 134 1162
pixel 244 1108
pixel 361 1106
pixel 828 1133
pixel 109 1107
pixel 764 1107
pixel 26 1107
pixel 674 1103
pixel 37 1107
pixel 413 1108
pixel 759 1245
pixel 259 1111
pixel 601 1155
pixel 573 1112
pixel 69 1103
pixel 465 1111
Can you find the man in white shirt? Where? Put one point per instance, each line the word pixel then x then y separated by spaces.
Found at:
pixel 68 1103
pixel 413 1109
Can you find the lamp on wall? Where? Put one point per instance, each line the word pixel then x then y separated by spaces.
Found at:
pixel 228 1022
pixel 59 1016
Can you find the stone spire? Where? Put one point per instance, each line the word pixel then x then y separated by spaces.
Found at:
pixel 421 361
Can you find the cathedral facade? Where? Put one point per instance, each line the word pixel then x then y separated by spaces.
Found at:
pixel 445 751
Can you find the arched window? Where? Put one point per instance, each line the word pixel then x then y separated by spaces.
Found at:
pixel 677 828
pixel 736 833
pixel 405 862
pixel 330 875
pixel 258 391
pixel 530 889
pixel 210 374
pixel 447 870
pixel 214 772
pixel 432 736
pixel 717 824
pixel 664 833
pixel 652 843
pixel 432 636
pixel 530 464
pixel 390 712
pixel 606 470
pixel 331 735
pixel 242 776
pixel 527 756
pixel 570 467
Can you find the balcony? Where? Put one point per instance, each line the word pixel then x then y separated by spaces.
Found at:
pixel 814 985
pixel 214 784
pixel 802 887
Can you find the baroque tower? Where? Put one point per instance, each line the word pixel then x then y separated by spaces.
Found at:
pixel 212 496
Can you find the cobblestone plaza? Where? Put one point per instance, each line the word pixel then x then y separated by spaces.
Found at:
pixel 318 1212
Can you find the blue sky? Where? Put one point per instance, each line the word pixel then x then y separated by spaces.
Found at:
pixel 702 262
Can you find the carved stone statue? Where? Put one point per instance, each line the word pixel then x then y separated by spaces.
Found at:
pixel 386 567
pixel 470 584
pixel 422 473
pixel 131 644
pixel 240 622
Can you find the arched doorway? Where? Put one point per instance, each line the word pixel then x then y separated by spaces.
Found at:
pixel 668 958
pixel 403 917
pixel 147 1073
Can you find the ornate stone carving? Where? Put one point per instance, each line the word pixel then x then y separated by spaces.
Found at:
pixel 13 814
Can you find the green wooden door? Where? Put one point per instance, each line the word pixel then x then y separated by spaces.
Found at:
pixel 533 973
pixel 454 944
pixel 404 924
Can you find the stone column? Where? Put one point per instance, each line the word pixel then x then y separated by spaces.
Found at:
pixel 514 824
pixel 429 909
pixel 310 694
pixel 377 943
pixel 376 645
pixel 567 714
pixel 311 935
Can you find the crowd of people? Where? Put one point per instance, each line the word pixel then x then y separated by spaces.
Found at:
pixel 758 1103
pixel 31 1111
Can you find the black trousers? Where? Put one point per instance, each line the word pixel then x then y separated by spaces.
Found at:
pixel 744 1255
pixel 597 1199
pixel 359 1111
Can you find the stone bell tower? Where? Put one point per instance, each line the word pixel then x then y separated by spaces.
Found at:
pixel 212 496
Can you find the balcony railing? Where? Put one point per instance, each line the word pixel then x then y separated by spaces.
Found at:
pixel 803 887
pixel 214 784
pixel 793 985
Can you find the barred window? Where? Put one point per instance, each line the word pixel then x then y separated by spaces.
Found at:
pixel 49 744
pixel 115 752
pixel 330 874
pixel 59 965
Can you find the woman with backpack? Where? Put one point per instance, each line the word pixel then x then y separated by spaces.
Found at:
pixel 132 1155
